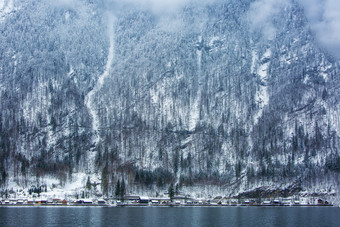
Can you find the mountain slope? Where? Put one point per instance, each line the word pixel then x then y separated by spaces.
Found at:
pixel 199 97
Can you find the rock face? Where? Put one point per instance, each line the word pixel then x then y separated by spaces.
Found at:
pixel 205 94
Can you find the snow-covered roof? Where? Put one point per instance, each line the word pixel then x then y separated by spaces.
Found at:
pixel 144 198
pixel 160 199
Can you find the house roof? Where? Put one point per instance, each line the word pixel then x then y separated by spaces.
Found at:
pixel 144 198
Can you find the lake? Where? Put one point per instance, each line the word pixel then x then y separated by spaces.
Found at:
pixel 169 216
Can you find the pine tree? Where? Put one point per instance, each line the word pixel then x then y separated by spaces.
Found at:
pixel 177 189
pixel 105 180
pixel 88 183
pixel 171 191
pixel 117 192
pixel 122 189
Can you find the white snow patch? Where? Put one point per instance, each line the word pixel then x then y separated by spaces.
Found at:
pixel 6 7
pixel 306 79
pixel 67 15
pixel 78 182
pixel 253 61
pixel 195 107
pixel 263 69
pixel 334 118
pixel 154 96
pixel 262 96
pixel 199 55
pixel 213 40
pixel 90 100
pixel 324 68
pixel 194 114
pixel 71 72
pixel 216 43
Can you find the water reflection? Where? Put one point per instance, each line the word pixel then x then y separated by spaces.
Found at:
pixel 169 216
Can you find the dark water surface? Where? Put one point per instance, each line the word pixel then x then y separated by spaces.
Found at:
pixel 169 216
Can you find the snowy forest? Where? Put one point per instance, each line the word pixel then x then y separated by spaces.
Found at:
pixel 203 94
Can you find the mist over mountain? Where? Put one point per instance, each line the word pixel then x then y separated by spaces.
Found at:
pixel 228 96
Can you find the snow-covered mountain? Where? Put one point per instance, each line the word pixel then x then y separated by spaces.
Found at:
pixel 217 96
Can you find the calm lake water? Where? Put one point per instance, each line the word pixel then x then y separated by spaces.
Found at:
pixel 169 216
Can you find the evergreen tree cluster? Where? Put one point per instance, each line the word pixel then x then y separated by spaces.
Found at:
pixel 120 189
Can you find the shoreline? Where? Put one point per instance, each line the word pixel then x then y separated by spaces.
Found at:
pixel 141 205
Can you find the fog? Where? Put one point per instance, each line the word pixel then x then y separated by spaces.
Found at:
pixel 323 15
pixel 324 19
pixel 156 6
pixel 261 14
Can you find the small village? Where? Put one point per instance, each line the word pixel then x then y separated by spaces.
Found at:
pixel 176 201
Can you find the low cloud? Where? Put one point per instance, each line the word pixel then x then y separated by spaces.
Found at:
pixel 157 6
pixel 261 14
pixel 324 18
pixel 65 3
pixel 323 15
